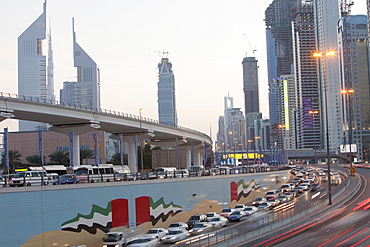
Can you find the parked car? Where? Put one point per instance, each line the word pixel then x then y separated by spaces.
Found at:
pixel 237 216
pixel 173 236
pixel 2 182
pixel 200 228
pixel 66 179
pixel 196 219
pixel 156 232
pixel 177 226
pixel 250 210
pixel 226 212
pixel 183 173
pixel 259 200
pixel 218 221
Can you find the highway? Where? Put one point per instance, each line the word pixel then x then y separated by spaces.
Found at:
pixel 346 225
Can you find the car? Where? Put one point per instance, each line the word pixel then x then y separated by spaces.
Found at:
pixel 156 232
pixel 182 173
pixel 66 179
pixel 259 200
pixel 324 179
pixel 272 193
pixel 273 201
pixel 239 207
pixel 173 236
pixel 211 215
pixel 218 221
pixel 2 182
pixel 311 179
pixel 282 198
pixel 288 195
pixel 307 182
pixel 250 210
pixel 264 206
pixel 177 226
pixel 315 186
pixel 304 186
pixel 144 241
pixel 197 218
pixel 294 192
pixel 226 212
pixel 285 187
pixel 200 228
pixel 299 189
pixel 237 216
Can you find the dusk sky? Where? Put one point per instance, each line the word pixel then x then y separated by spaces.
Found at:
pixel 204 39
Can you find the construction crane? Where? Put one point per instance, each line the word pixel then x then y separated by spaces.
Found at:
pixel 162 54
pixel 253 50
pixel 345 7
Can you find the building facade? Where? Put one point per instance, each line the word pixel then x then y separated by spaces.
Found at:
pixel 35 70
pixel 250 84
pixel 353 47
pixel 167 113
pixel 306 77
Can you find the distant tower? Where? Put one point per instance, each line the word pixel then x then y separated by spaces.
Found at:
pixel 33 74
pixel 166 94
pixel 87 88
pixel 250 84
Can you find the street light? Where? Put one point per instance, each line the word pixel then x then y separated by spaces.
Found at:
pixel 256 141
pixel 141 140
pixel 347 93
pixel 248 147
pixel 210 135
pixel 314 132
pixel 319 55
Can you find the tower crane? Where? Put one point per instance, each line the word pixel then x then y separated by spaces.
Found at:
pixel 253 50
pixel 163 54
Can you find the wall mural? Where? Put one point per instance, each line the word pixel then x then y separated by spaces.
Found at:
pixel 149 213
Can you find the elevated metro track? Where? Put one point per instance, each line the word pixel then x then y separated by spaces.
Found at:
pixel 62 116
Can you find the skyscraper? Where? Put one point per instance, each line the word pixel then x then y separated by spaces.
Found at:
pixel 86 91
pixel 306 76
pixel 34 73
pixel 327 14
pixel 250 84
pixel 353 53
pixel 166 94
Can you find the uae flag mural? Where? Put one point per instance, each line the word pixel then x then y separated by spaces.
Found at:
pixel 241 189
pixel 114 215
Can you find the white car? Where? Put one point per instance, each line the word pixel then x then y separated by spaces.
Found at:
pixel 304 186
pixel 156 232
pixel 218 221
pixel 211 215
pixel 264 206
pixel 177 226
pixel 147 242
pixel 200 227
pixel 250 210
pixel 173 236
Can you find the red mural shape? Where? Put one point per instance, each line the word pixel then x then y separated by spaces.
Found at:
pixel 233 191
pixel 142 206
pixel 119 212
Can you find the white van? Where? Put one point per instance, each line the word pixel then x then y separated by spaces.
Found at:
pixel 163 172
pixel 28 178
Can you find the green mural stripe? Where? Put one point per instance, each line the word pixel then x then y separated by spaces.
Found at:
pixel 160 201
pixel 94 209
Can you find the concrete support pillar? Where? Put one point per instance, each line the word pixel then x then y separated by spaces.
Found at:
pixel 132 157
pixel 76 150
pixel 188 157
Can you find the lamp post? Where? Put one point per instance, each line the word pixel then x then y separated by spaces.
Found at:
pixel 249 141
pixel 347 93
pixel 256 141
pixel 314 133
pixel 319 55
pixel 141 141
pixel 210 135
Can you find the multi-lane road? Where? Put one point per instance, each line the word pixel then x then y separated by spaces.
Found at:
pixel 347 225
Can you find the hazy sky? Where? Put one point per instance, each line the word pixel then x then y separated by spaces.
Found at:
pixel 204 39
